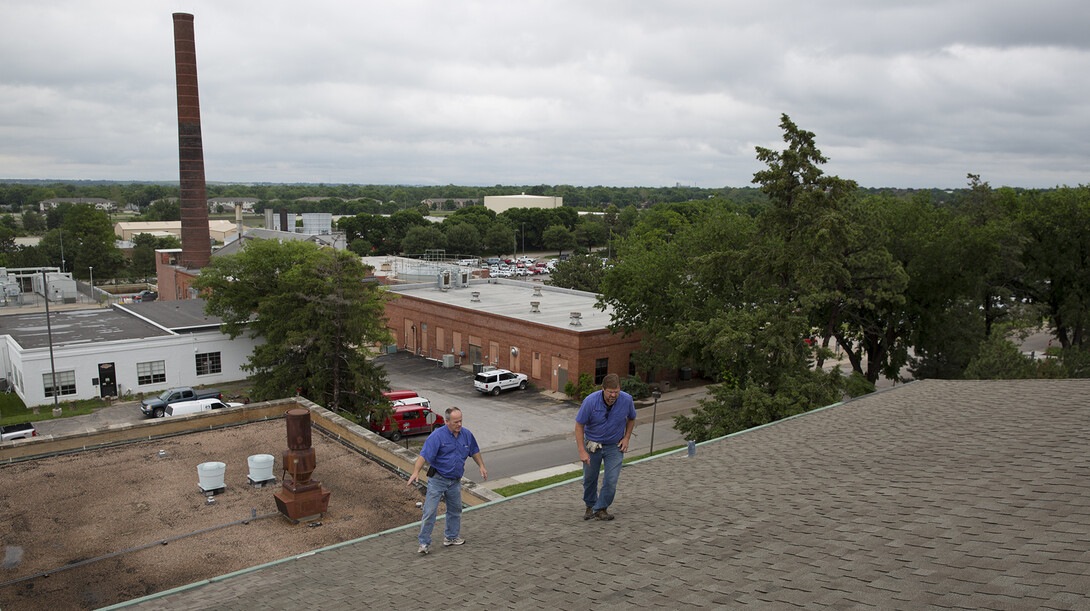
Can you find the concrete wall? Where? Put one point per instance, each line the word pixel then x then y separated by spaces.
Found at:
pixel 375 447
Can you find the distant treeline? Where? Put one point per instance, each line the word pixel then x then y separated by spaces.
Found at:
pixel 385 199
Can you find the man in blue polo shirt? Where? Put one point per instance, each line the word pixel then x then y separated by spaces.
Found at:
pixel 446 449
pixel 602 428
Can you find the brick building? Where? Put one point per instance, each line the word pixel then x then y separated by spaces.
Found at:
pixel 550 334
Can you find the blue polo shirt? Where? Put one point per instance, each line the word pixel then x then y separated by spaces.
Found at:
pixel 603 423
pixel 448 453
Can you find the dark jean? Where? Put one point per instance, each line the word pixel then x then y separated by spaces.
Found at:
pixel 450 490
pixel 612 456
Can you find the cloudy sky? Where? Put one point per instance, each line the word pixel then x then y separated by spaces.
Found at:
pixel 583 92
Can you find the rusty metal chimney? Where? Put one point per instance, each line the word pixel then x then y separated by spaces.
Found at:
pixel 300 498
pixel 196 247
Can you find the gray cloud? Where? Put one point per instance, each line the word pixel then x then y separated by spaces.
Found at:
pixel 617 92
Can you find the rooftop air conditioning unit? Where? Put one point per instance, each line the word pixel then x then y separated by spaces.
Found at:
pixel 463 277
pixel 444 279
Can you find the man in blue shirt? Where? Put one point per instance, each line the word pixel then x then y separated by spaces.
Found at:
pixel 602 428
pixel 446 449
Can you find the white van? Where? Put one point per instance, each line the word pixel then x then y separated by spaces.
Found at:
pixel 182 408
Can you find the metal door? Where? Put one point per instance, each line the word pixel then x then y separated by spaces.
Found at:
pixel 107 380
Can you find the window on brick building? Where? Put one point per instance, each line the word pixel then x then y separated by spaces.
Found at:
pixel 601 368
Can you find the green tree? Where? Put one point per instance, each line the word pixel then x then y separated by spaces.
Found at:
pixel 581 272
pixel 499 239
pixel 558 238
pixel 1000 359
pixel 463 239
pixel 33 222
pixel 163 210
pixel 89 241
pixel 316 314
pixel 143 252
pixel 1056 256
pixel 417 240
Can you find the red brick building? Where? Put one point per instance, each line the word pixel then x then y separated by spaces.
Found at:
pixel 550 334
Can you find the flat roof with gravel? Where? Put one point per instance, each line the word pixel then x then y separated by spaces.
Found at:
pixel 938 494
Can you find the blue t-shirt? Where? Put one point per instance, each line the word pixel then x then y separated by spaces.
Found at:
pixel 448 453
pixel 603 423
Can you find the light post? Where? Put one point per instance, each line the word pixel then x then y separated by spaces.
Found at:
pixel 654 416
pixel 92 272
pixel 524 238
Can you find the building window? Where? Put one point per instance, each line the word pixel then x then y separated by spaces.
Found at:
pixel 208 363
pixel 66 383
pixel 601 368
pixel 153 372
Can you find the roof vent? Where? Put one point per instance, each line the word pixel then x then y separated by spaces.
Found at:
pixel 575 319
pixel 537 291
pixel 535 306
pixel 210 477
pixel 476 296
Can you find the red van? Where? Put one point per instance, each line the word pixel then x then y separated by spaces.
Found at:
pixel 410 417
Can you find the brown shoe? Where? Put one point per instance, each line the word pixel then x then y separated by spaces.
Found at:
pixel 602 514
pixel 589 514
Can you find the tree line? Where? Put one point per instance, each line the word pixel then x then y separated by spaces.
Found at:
pixel 759 300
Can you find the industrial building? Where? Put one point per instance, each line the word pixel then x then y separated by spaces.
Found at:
pixel 499 203
pixel 126 349
pixel 551 334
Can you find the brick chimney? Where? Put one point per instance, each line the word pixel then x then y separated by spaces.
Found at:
pixel 196 246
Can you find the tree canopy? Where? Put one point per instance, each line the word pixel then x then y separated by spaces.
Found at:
pixel 318 316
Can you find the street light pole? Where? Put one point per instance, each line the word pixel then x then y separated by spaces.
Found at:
pixel 92 272
pixel 654 416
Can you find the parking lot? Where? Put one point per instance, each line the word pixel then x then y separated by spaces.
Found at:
pixel 514 417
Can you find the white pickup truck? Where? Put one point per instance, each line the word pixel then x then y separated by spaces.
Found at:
pixel 25 430
pixel 182 408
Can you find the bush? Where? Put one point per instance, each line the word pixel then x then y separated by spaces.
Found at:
pixel 636 387
pixel 585 387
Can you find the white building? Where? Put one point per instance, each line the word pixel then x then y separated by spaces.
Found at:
pixel 499 203
pixel 130 348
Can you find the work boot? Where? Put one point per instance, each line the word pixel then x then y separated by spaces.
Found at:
pixel 589 513
pixel 603 515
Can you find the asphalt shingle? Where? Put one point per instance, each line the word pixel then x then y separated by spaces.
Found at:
pixel 937 493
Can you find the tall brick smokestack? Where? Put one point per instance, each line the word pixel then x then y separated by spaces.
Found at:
pixel 196 247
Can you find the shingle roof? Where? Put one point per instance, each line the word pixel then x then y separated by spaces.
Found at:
pixel 936 494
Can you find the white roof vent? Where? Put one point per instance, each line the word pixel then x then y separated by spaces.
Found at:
pixel 537 291
pixel 476 296
pixel 575 319
pixel 535 306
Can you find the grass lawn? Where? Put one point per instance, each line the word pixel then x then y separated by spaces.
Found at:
pixel 519 488
pixel 14 411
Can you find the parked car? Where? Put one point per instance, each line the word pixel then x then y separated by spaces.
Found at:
pixel 495 380
pixel 146 295
pixel 23 430
pixel 156 406
pixel 409 417
pixel 182 408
